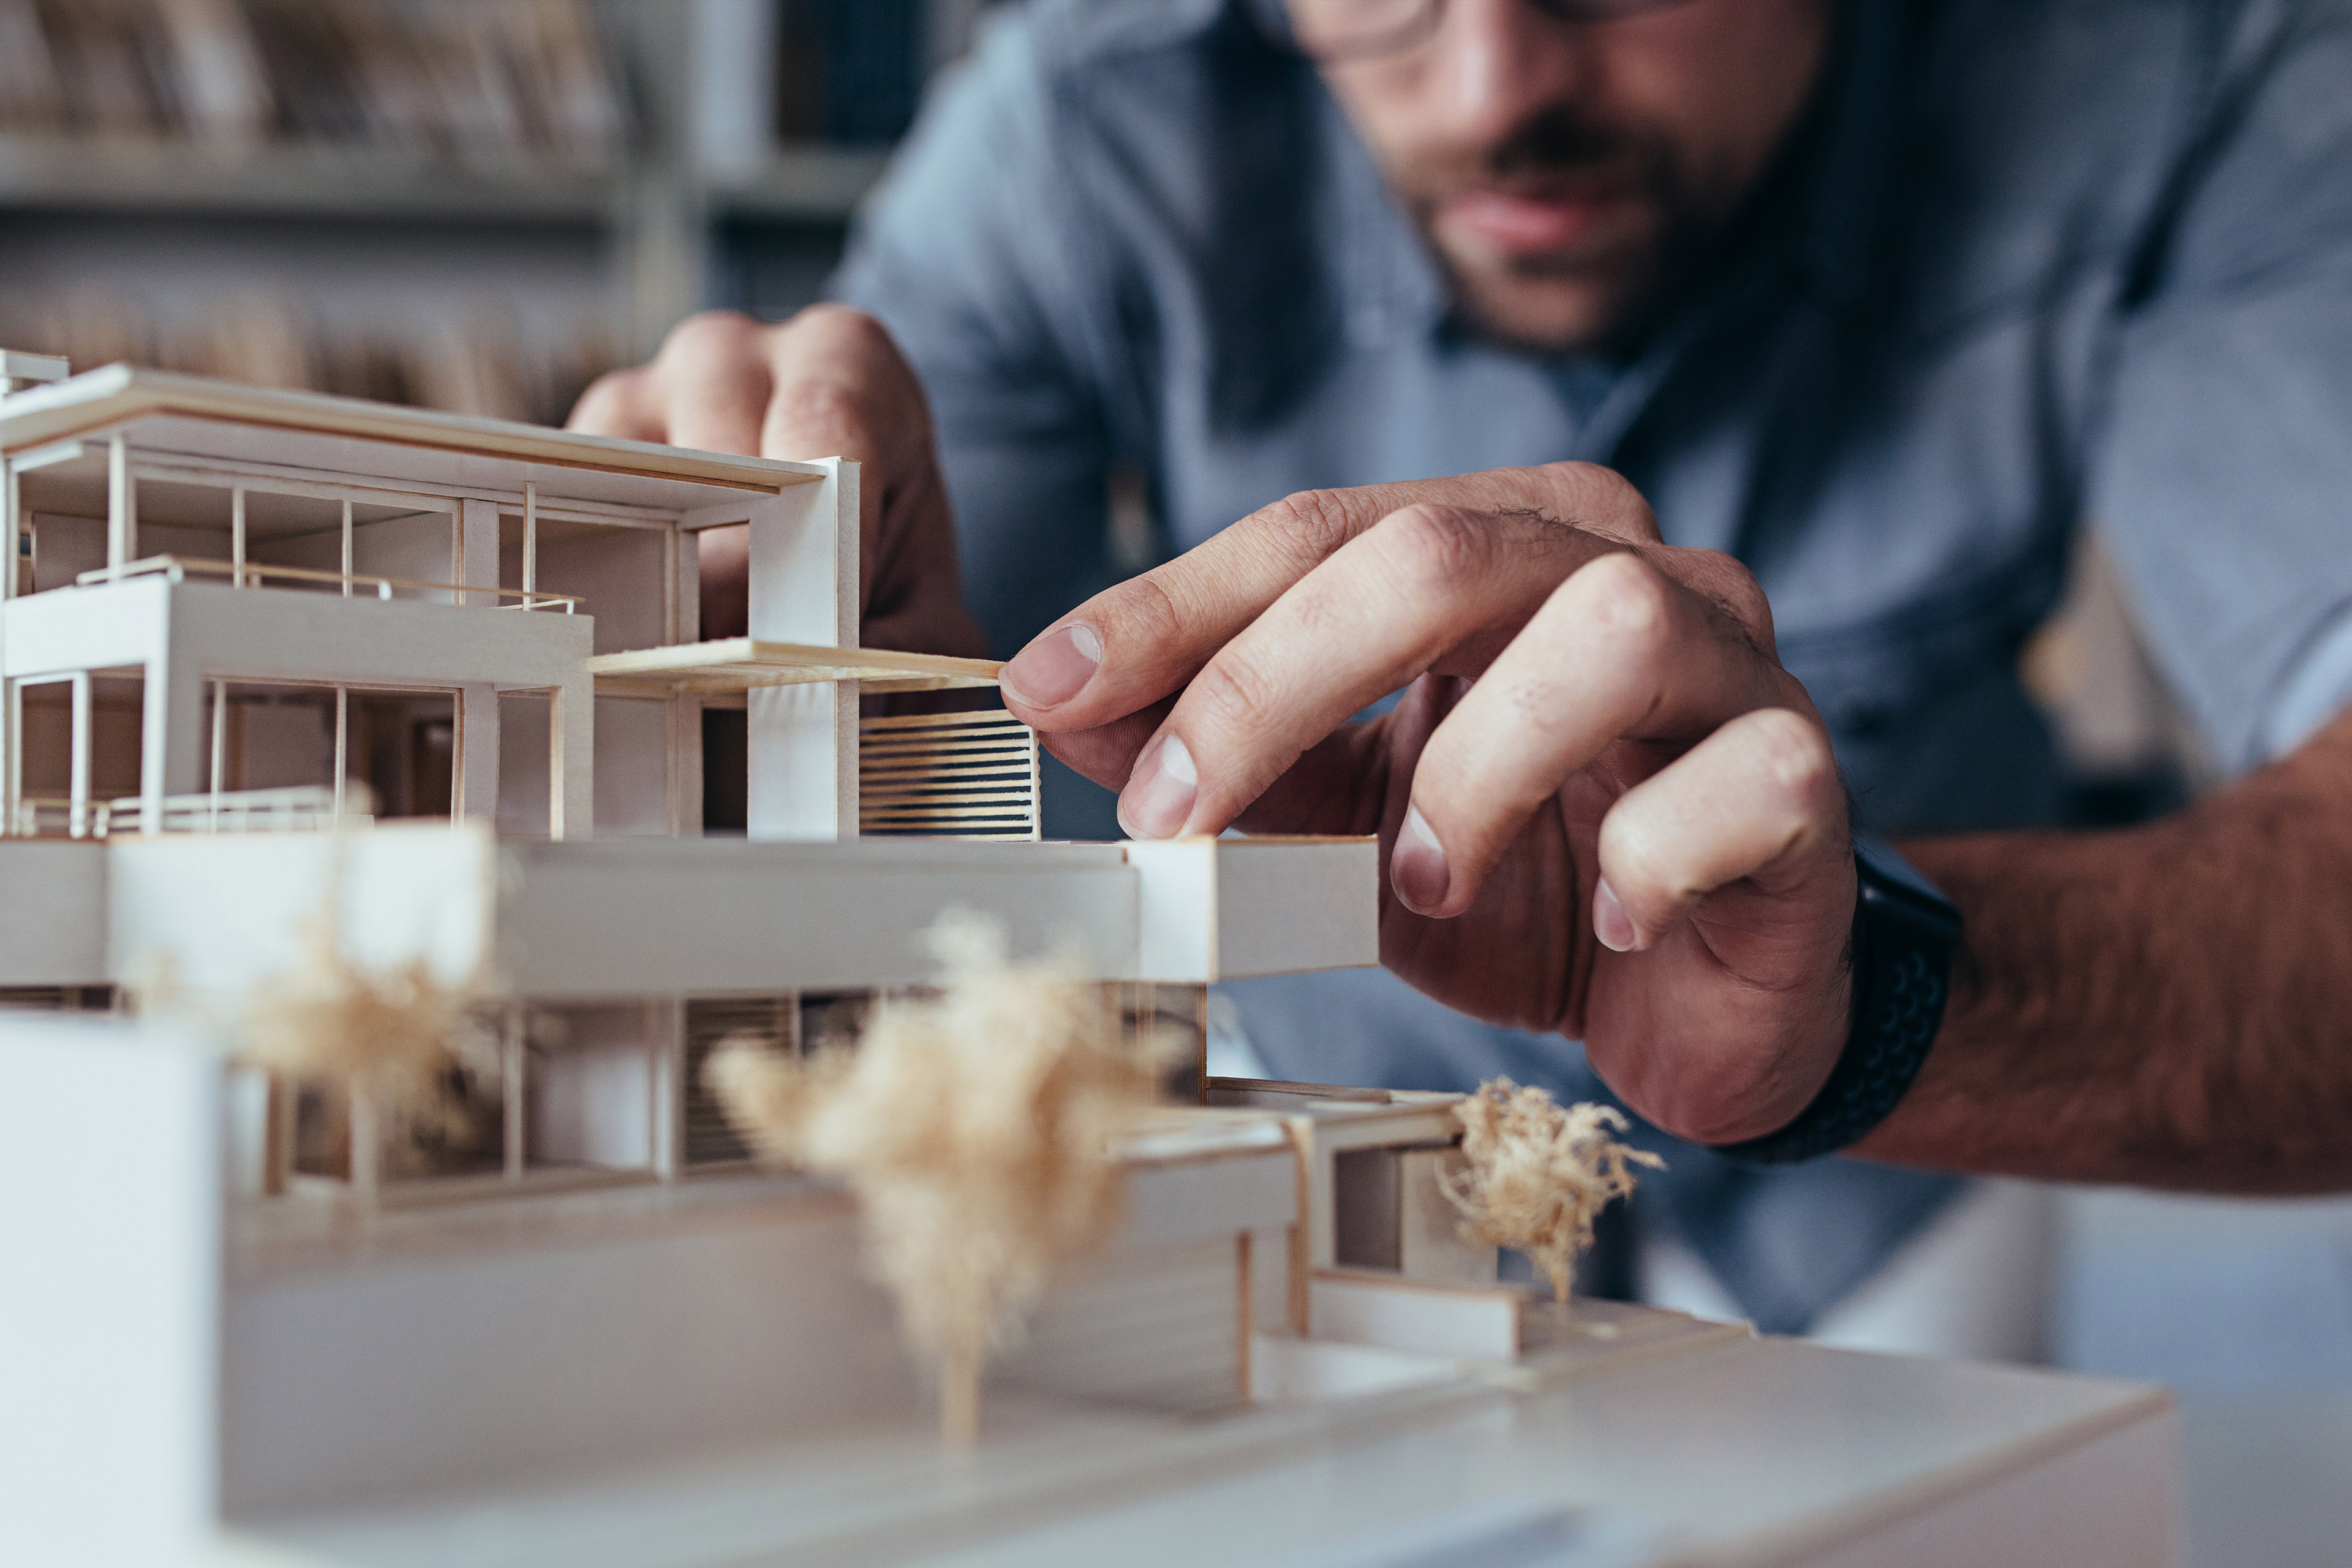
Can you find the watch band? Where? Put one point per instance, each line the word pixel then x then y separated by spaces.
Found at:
pixel 1904 934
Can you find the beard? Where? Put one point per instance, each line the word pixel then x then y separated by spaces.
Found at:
pixel 1598 290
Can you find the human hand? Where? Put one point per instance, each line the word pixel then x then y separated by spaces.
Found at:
pixel 827 383
pixel 1603 806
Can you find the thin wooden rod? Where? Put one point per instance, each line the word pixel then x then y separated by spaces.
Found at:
pixel 529 542
pixel 236 536
pixel 996 716
pixel 343 742
pixel 77 790
pixel 168 564
pixel 277 478
pixel 9 509
pixel 512 1067
pixel 122 504
pixel 220 734
pixel 347 549
pixel 949 762
pixel 937 745
pixel 670 585
pixel 992 783
pixel 12 763
pixel 951 768
pixel 1038 834
pixel 367 1146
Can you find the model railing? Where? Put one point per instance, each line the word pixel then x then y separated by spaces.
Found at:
pixel 175 568
pixel 302 808
pixel 947 775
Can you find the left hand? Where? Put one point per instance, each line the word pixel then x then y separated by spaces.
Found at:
pixel 1603 806
pixel 828 383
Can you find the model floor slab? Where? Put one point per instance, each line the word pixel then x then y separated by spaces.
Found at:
pixel 1758 1452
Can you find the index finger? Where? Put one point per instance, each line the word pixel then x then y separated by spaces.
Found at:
pixel 1132 645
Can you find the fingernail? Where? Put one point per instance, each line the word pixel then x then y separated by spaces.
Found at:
pixel 1050 671
pixel 1417 865
pixel 1610 923
pixel 1159 798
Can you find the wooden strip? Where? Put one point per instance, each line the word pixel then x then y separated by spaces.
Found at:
pixel 929 789
pixel 235 477
pixel 947 749
pixel 949 814
pixel 997 716
pixel 1013 769
pixel 877 687
pixel 1008 768
pixel 994 811
pixel 156 565
pixel 946 763
pixel 1002 788
pixel 944 732
pixel 974 735
pixel 995 775
pixel 963 758
pixel 967 837
pixel 740 653
pixel 912 811
pixel 217 472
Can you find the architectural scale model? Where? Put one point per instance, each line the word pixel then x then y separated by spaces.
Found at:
pixel 293 681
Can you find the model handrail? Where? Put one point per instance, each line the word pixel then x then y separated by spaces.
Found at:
pixel 176 567
pixel 286 808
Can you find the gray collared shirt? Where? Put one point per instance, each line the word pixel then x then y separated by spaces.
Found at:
pixel 2029 263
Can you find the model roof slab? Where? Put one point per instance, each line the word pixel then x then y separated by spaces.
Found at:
pixel 161 414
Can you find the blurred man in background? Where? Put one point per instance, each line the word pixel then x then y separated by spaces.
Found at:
pixel 1885 298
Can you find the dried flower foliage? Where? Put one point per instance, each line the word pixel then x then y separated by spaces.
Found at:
pixel 394 1034
pixel 1536 1173
pixel 975 1129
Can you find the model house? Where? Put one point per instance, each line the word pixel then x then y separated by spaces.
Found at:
pixel 288 675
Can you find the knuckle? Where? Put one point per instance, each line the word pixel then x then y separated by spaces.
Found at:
pixel 1726 580
pixel 1144 610
pixel 1630 601
pixel 708 334
pixel 840 332
pixel 1634 856
pixel 608 394
pixel 1433 544
pixel 1308 524
pixel 823 404
pixel 1600 497
pixel 1793 752
pixel 1231 694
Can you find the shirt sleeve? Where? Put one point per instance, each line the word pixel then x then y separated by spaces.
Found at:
pixel 2224 475
pixel 968 252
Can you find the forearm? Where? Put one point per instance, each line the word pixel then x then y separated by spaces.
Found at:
pixel 2170 1005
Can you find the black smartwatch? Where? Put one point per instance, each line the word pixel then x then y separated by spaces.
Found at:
pixel 1904 933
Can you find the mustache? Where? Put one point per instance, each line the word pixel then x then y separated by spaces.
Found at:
pixel 1559 144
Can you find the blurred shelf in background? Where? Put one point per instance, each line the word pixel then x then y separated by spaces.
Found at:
pixel 476 204
pixel 55 173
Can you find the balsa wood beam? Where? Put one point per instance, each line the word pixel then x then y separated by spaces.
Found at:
pixel 738 664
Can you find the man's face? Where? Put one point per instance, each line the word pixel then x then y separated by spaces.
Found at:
pixel 1569 174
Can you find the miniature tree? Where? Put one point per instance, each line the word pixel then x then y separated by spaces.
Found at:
pixel 975 1129
pixel 391 1033
pixel 1536 1173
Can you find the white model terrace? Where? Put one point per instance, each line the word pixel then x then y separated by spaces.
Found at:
pixel 213 548
pixel 203 537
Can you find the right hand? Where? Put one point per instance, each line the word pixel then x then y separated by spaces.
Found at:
pixel 828 383
pixel 1605 808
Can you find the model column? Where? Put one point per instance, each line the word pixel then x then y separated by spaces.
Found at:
pixel 804 589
